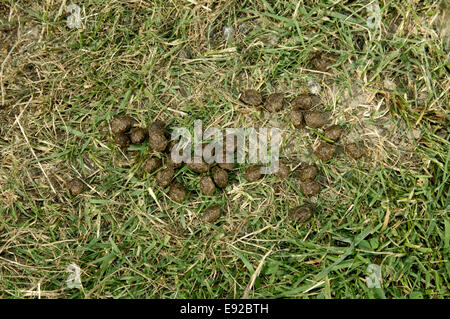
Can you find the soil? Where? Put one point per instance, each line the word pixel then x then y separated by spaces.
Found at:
pixel 220 177
pixel 212 214
pixel 325 151
pixel 207 186
pixel 251 97
pixel 165 176
pixel 177 192
pixel 301 213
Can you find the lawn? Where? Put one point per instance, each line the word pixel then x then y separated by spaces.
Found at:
pixel 381 70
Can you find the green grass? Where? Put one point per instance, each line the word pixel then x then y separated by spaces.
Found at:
pixel 62 86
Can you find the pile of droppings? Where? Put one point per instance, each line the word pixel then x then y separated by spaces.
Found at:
pixel 125 134
pixel 215 176
pixel 304 113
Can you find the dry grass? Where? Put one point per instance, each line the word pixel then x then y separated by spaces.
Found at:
pixel 168 60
